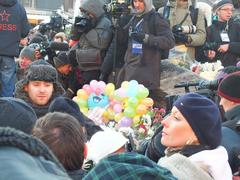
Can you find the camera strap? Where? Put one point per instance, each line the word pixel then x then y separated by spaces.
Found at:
pixel 185 17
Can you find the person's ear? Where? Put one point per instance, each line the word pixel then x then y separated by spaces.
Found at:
pixel 85 151
pixel 25 88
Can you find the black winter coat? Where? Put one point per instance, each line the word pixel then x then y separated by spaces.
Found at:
pixel 232 56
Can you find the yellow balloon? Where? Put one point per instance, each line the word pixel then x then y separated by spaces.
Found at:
pixel 105 114
pixel 111 114
pixel 136 120
pixel 118 116
pixel 75 99
pixel 147 102
pixel 141 109
pixel 84 110
pixel 110 87
pixel 125 84
pixel 82 94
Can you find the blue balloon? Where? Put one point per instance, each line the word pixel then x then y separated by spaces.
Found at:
pixel 97 101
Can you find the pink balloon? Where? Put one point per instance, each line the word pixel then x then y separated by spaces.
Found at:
pixel 87 89
pixel 122 92
pixel 101 85
pixel 93 84
pixel 117 108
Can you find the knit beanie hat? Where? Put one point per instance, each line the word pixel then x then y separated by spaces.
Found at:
pixel 41 72
pixel 128 166
pixel 220 3
pixel 229 88
pixel 67 105
pixel 203 116
pixel 104 143
pixel 17 114
pixel 28 52
pixel 61 59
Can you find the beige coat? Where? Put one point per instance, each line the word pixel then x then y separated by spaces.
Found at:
pixel 177 14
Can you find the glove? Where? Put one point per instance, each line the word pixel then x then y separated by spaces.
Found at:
pixel 177 28
pixel 180 38
pixel 139 37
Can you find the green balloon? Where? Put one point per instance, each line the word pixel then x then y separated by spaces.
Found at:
pixel 133 102
pixel 129 112
pixel 142 93
pixel 82 103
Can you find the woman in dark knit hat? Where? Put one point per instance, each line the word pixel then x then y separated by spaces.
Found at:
pixel 192 135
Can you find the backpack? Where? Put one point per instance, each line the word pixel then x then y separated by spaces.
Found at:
pixel 199 53
pixel 152 18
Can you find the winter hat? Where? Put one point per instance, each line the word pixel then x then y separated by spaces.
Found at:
pixel 128 166
pixel 104 143
pixel 229 88
pixel 220 3
pixel 94 7
pixel 61 59
pixel 28 52
pixel 17 114
pixel 203 116
pixel 60 35
pixel 41 72
pixel 67 105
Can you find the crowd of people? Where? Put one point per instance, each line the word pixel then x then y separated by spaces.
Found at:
pixel 44 134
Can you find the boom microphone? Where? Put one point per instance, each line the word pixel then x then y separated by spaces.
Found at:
pixel 59 46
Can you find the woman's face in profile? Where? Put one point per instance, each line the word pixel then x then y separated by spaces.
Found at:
pixel 176 131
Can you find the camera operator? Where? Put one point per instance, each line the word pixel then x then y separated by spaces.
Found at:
pixel 187 24
pixel 223 39
pixel 93 31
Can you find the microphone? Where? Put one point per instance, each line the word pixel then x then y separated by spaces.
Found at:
pixel 59 46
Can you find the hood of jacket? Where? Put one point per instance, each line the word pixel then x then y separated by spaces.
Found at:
pixel 94 7
pixel 173 3
pixel 217 162
pixel 148 6
pixel 8 2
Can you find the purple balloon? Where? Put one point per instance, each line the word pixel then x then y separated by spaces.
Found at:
pixel 125 122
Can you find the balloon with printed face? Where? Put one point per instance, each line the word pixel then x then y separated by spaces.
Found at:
pixel 97 101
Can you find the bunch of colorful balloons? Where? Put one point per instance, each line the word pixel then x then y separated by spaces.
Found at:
pixel 125 105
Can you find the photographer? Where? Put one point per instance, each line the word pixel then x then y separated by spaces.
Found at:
pixel 223 39
pixel 149 34
pixel 94 31
pixel 187 24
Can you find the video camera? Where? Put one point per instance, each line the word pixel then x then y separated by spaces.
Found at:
pixel 202 84
pixel 203 87
pixel 82 23
pixel 117 7
pixel 46 48
pixel 55 24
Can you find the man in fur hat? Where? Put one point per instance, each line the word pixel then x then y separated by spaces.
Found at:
pixel 39 86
